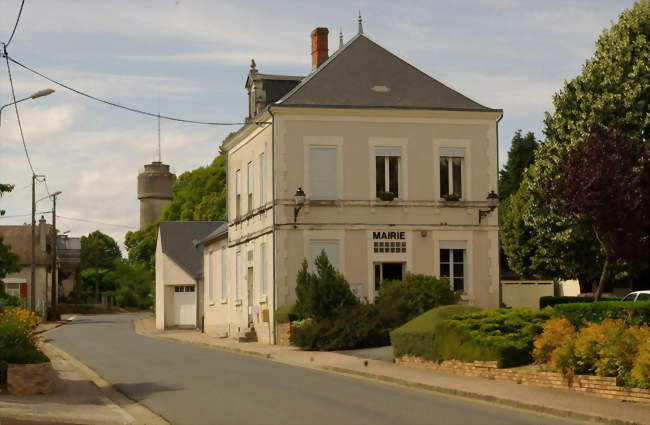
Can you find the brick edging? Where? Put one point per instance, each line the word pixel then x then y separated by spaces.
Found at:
pixel 598 386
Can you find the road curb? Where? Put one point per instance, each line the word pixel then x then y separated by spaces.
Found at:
pixel 138 412
pixel 562 413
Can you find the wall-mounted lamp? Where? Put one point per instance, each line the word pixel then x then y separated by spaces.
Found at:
pixel 300 201
pixel 493 199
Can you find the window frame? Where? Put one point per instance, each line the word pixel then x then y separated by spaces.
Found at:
pixel 263 269
pixel 450 175
pixel 224 282
pixel 312 193
pixel 211 276
pixel 262 179
pixel 451 263
pixel 238 193
pixel 238 277
pixel 250 183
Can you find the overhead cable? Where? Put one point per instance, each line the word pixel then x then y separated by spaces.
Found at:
pixel 16 24
pixel 13 94
pixel 96 222
pixel 128 108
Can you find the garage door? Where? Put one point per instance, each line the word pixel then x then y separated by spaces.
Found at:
pixel 184 305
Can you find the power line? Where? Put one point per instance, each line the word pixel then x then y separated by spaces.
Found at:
pixel 138 111
pixel 16 25
pixel 13 94
pixel 96 222
pixel 25 215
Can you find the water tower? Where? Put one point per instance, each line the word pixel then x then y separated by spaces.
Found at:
pixel 154 191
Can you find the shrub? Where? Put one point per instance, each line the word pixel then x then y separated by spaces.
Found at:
pixel 640 373
pixel 555 331
pixel 17 343
pixel 401 301
pixel 551 301
pixel 285 313
pixel 504 335
pixel 7 301
pixel 356 327
pixel 609 348
pixel 3 374
pixel 417 337
pixel 634 313
pixel 323 294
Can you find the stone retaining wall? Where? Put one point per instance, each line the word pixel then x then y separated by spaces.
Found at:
pixel 284 332
pixel 29 379
pixel 595 385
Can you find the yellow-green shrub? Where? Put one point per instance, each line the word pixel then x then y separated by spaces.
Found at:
pixel 555 331
pixel 640 373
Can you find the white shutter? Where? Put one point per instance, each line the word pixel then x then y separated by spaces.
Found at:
pixel 388 151
pixel 323 169
pixel 249 177
pixel 331 249
pixel 210 278
pixel 262 179
pixel 237 182
pixel 453 152
pixel 238 276
pixel 263 269
pixel 224 283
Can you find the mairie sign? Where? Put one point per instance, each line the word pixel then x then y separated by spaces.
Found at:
pixel 389 235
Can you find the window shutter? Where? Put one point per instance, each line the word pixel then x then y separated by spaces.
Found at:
pixel 249 177
pixel 331 249
pixel 388 151
pixel 262 178
pixel 453 245
pixel 453 152
pixel 323 169
pixel 224 284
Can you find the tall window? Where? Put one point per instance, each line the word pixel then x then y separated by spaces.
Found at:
pixel 210 277
pixel 238 276
pixel 387 171
pixel 238 193
pixel 262 179
pixel 249 180
pixel 224 283
pixel 452 164
pixel 323 173
pixel 452 266
pixel 263 269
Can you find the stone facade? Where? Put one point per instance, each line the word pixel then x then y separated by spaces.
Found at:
pixel 599 386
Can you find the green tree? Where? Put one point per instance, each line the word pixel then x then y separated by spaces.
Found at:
pixel 131 284
pixel 141 245
pixel 8 260
pixel 520 156
pixel 199 194
pixel 323 294
pixel 98 251
pixel 612 91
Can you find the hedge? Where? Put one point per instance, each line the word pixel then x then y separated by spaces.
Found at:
pixel 285 314
pixel 634 313
pixel 504 335
pixel 550 301
pixel 416 337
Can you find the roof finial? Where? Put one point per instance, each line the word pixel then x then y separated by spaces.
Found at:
pixel 253 69
pixel 360 23
pixel 340 37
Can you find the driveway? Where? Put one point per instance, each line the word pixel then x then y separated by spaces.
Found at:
pixel 194 385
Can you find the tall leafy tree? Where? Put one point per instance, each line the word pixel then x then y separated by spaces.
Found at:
pixel 520 156
pixel 98 251
pixel 604 184
pixel 8 260
pixel 141 245
pixel 613 91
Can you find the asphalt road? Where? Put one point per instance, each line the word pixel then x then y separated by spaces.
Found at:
pixel 193 385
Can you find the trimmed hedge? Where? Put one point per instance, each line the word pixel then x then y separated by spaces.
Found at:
pixel 550 301
pixel 504 335
pixel 417 336
pixel 634 313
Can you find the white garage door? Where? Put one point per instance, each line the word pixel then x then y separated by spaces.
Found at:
pixel 184 305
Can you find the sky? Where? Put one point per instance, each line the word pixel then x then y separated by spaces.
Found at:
pixel 190 59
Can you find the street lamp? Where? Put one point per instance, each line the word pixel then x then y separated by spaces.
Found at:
pixel 493 201
pixel 300 201
pixel 40 93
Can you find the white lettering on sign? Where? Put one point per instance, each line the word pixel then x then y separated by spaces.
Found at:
pixel 389 235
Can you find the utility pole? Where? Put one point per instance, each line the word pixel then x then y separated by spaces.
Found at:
pixel 54 269
pixel 32 282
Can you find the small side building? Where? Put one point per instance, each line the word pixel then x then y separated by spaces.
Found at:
pixel 179 272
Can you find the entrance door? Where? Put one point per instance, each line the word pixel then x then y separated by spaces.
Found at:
pixel 249 282
pixel 388 271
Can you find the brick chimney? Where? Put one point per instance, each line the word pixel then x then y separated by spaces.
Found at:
pixel 318 47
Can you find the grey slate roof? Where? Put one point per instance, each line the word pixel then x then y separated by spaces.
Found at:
pixel 221 230
pixel 178 242
pixel 347 79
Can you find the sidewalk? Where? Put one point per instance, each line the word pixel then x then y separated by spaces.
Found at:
pixel 542 400
pixel 75 400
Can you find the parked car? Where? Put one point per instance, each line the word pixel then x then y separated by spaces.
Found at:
pixel 637 296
